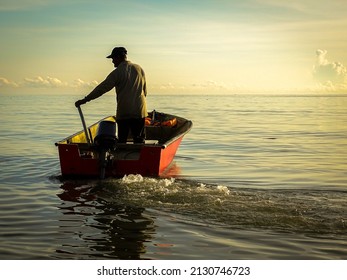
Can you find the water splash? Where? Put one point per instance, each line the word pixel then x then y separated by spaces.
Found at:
pixel 292 211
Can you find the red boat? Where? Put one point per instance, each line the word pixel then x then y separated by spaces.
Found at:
pixel 94 151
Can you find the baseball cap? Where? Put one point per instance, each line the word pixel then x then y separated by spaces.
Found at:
pixel 118 51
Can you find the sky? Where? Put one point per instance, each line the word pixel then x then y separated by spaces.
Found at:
pixel 184 46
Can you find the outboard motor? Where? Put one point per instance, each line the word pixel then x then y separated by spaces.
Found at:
pixel 106 135
pixel 105 140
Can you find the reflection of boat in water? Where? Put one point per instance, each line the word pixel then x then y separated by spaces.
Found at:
pixel 103 156
pixel 91 227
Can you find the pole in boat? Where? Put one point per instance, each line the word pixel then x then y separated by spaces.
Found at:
pixel 84 125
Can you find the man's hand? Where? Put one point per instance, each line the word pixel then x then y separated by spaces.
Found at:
pixel 80 102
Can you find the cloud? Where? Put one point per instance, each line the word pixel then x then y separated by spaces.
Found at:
pixel 47 83
pixel 210 85
pixel 331 75
pixel 206 86
pixel 82 84
pixel 7 83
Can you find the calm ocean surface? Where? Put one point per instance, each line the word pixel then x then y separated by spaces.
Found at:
pixel 258 177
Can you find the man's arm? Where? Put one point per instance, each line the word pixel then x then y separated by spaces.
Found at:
pixel 103 87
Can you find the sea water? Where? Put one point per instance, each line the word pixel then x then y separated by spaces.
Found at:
pixel 258 177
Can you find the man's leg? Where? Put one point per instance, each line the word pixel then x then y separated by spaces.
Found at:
pixel 138 130
pixel 123 130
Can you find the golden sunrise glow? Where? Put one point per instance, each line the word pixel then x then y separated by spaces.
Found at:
pixel 225 46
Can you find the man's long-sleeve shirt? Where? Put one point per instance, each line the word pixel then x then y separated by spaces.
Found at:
pixel 130 83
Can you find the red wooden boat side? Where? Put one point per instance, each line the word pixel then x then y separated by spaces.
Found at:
pixel 153 161
pixel 168 154
pixel 72 163
pixel 77 158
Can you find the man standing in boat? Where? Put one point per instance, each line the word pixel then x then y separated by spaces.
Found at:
pixel 130 83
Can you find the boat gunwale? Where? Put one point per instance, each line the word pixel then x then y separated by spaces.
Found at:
pixel 125 145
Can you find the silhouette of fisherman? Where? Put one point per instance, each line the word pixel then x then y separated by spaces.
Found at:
pixel 130 83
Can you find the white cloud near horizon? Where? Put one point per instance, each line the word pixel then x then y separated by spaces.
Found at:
pixel 7 83
pixel 46 83
pixel 83 84
pixel 331 75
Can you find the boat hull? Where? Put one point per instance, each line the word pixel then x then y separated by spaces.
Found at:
pixel 149 159
pixel 152 161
